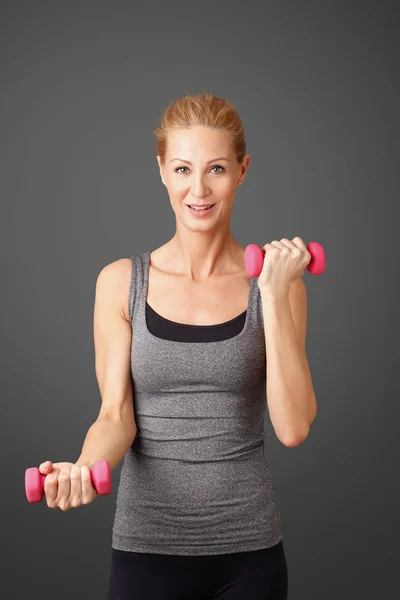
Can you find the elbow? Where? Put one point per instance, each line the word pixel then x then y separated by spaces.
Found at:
pixel 294 436
pixel 293 439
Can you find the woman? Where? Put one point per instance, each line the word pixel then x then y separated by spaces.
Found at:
pixel 181 335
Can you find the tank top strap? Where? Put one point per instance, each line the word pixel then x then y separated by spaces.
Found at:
pixel 256 316
pixel 137 287
pixel 254 304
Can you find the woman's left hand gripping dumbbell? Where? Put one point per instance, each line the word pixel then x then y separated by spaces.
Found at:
pixel 67 485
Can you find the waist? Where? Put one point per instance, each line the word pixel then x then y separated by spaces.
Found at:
pixel 196 436
pixel 192 481
pixel 177 506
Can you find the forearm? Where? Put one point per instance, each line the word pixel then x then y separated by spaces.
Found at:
pixel 290 394
pixel 108 439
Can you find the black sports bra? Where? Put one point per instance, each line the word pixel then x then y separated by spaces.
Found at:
pixel 180 332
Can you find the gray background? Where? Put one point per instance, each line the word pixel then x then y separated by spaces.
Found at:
pixel 316 84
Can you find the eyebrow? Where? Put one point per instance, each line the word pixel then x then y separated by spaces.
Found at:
pixel 208 162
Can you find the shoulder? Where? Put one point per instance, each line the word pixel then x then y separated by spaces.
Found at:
pixel 114 281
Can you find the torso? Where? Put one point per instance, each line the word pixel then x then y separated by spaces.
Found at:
pixel 178 299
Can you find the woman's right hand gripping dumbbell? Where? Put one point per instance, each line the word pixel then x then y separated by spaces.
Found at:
pixel 67 485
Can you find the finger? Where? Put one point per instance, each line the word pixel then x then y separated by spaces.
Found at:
pixel 278 245
pixel 294 248
pixel 76 487
pixel 64 488
pixel 88 492
pixel 61 465
pixel 289 244
pixel 298 248
pixel 51 488
pixel 46 467
pixel 299 243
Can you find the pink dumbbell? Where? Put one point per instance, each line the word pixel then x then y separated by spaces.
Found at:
pixel 100 476
pixel 254 259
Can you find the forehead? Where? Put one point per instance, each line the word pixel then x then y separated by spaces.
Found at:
pixel 199 143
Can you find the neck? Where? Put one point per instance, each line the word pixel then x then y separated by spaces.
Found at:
pixel 200 255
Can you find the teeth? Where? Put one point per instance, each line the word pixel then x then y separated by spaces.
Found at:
pixel 203 208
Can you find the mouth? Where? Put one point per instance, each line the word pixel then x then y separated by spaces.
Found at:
pixel 200 210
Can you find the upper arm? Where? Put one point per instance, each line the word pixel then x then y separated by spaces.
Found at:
pixel 112 341
pixel 298 306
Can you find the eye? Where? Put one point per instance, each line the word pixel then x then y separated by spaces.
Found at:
pixel 177 170
pixel 218 167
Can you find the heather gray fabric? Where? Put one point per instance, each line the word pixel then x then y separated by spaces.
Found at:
pixel 196 480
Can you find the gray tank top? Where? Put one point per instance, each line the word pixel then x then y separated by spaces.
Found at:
pixel 196 480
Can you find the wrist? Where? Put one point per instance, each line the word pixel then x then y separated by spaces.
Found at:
pixel 274 297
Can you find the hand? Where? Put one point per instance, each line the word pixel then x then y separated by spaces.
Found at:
pixel 67 485
pixel 284 262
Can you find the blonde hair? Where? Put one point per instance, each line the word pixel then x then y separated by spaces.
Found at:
pixel 204 110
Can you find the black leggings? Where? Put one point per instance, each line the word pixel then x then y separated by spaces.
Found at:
pixel 254 575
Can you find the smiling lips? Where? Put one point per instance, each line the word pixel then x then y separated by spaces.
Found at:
pixel 201 210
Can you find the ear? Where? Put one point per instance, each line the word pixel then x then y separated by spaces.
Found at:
pixel 245 164
pixel 161 169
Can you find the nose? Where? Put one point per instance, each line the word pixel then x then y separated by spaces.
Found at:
pixel 198 187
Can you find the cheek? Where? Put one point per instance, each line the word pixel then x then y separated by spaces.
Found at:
pixel 175 189
pixel 228 189
pixel 175 185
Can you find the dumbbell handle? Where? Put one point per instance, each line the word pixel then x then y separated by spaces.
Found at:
pixel 254 259
pixel 100 476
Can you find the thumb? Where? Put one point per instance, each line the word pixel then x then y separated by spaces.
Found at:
pixel 46 467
